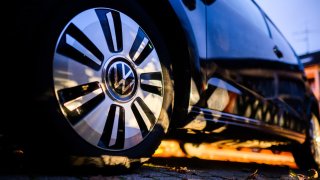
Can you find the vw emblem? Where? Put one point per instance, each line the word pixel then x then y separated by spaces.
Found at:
pixel 121 79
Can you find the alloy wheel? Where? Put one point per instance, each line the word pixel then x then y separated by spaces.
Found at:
pixel 108 79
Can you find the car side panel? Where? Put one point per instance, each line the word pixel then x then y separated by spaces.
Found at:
pixel 242 66
pixel 192 18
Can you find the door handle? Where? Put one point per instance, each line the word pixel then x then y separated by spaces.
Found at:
pixel 277 52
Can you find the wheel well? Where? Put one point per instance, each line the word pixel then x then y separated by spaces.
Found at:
pixel 175 39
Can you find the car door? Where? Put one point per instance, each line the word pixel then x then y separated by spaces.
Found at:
pixel 241 61
pixel 289 79
pixel 239 54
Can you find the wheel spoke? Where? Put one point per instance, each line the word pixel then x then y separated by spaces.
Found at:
pixel 151 82
pixel 143 115
pixel 114 131
pixel 112 28
pixel 80 100
pixel 68 73
pixel 141 48
pixel 92 125
pixel 77 46
pixel 151 76
pixel 152 89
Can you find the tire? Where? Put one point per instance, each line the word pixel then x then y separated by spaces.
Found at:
pixel 307 155
pixel 105 79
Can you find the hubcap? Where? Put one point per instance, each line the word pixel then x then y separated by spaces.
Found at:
pixel 120 80
pixel 315 138
pixel 108 79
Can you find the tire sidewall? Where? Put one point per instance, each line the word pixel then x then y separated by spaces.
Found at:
pixel 302 153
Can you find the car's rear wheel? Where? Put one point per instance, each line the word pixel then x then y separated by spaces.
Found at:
pixel 307 155
pixel 110 80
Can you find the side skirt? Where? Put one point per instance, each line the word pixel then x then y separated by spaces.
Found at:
pixel 199 118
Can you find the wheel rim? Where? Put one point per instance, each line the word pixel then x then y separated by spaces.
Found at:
pixel 108 79
pixel 315 138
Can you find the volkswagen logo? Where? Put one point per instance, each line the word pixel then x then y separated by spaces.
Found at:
pixel 121 79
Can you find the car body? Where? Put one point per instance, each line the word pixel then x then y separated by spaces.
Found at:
pixel 200 64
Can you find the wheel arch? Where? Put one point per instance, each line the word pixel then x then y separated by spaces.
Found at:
pixel 180 50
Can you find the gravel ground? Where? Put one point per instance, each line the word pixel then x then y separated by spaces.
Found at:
pixel 173 168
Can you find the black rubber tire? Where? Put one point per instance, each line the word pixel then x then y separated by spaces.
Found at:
pixel 303 155
pixel 47 119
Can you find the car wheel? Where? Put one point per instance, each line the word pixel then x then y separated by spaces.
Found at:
pixel 110 74
pixel 307 155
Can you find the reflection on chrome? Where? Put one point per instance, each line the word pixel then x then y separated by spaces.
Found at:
pixel 200 114
pixel 75 103
pixel 223 84
pixel 78 46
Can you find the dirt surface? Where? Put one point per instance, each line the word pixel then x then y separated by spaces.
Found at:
pixel 173 168
pixel 168 162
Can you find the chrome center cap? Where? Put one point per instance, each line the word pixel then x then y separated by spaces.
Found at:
pixel 120 79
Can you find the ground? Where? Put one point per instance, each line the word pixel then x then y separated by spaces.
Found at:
pixel 172 160
pixel 173 168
